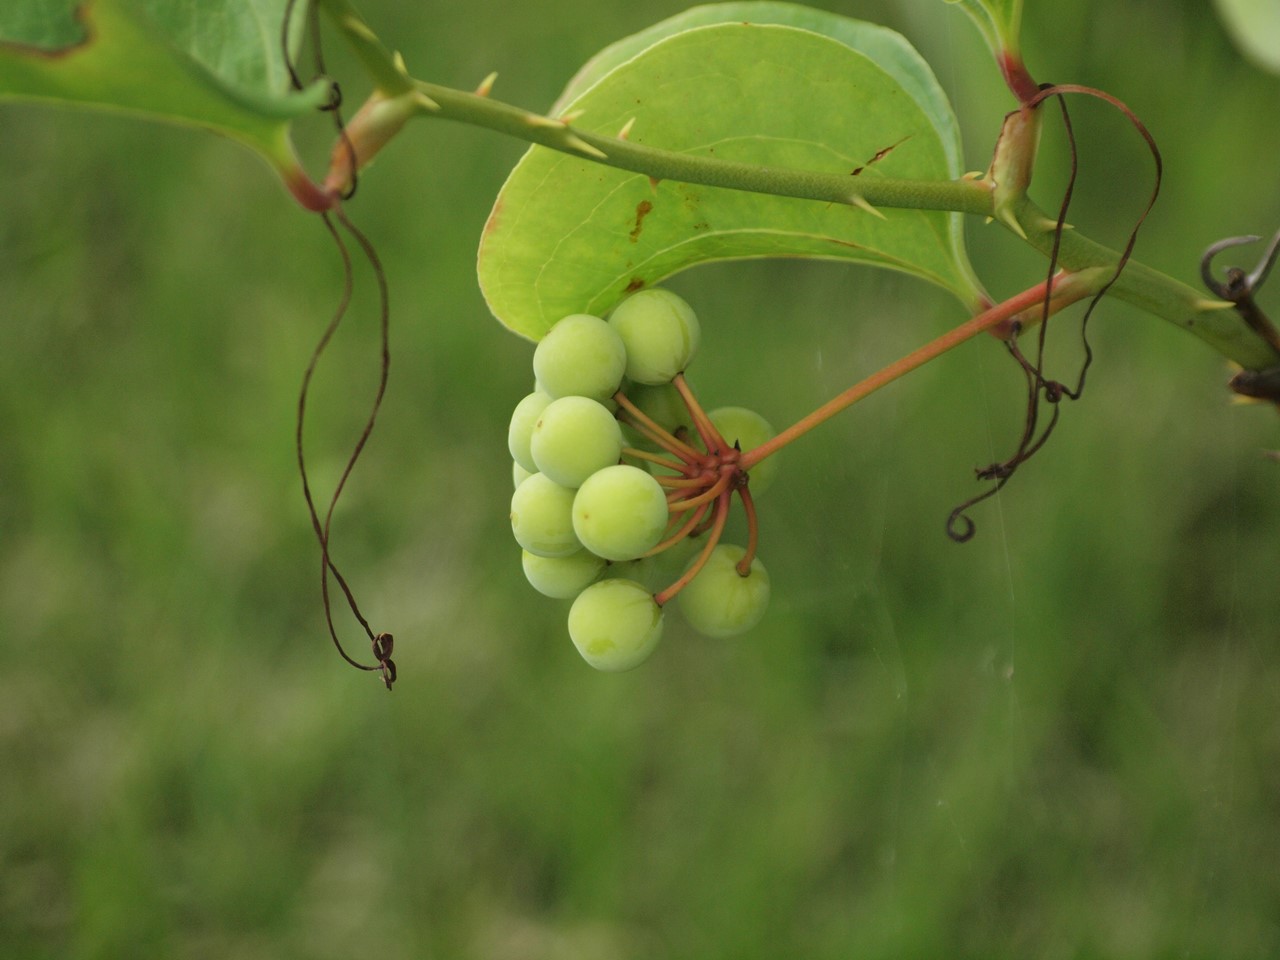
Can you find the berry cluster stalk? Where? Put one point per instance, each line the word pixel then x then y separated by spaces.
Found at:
pixel 1060 294
pixel 700 493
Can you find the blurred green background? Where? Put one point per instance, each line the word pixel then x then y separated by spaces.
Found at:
pixel 1059 740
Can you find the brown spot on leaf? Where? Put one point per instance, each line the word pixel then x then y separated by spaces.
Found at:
pixel 63 32
pixel 635 284
pixel 491 223
pixel 880 155
pixel 690 198
pixel 642 211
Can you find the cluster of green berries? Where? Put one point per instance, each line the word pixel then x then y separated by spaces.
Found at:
pixel 616 463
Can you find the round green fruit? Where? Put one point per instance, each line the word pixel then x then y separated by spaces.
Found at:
pixel 581 356
pixel 661 334
pixel 575 437
pixel 520 431
pixel 615 624
pixel 542 517
pixel 620 512
pixel 562 578
pixel 719 601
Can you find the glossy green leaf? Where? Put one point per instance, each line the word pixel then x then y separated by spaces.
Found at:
pixel 1000 22
pixel 1254 25
pixel 215 63
pixel 817 92
pixel 888 49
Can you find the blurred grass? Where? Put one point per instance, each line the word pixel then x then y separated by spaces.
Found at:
pixel 1059 740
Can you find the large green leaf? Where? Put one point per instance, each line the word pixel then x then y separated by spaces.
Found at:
pixel 888 49
pixel 816 92
pixel 214 63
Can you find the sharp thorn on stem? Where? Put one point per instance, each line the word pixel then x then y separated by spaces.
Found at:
pixel 859 201
pixel 357 26
pixel 577 143
pixel 1207 305
pixel 538 121
pixel 1006 216
pixel 1048 225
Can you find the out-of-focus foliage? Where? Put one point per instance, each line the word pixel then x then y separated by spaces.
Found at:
pixel 1255 27
pixel 1059 739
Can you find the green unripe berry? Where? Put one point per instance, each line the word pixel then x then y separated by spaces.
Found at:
pixel 720 602
pixel 615 624
pixel 520 432
pixel 542 517
pixel 575 437
pixel 620 512
pixel 562 578
pixel 661 334
pixel 581 356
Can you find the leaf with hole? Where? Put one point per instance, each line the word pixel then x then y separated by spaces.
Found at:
pixel 766 84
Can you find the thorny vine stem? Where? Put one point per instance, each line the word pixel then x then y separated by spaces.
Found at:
pixel 1154 292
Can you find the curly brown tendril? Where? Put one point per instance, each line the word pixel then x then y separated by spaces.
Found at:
pixel 333 105
pixel 1239 287
pixel 1040 389
pixel 381 643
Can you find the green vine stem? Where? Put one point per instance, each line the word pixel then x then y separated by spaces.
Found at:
pixel 965 196
pixel 1213 321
